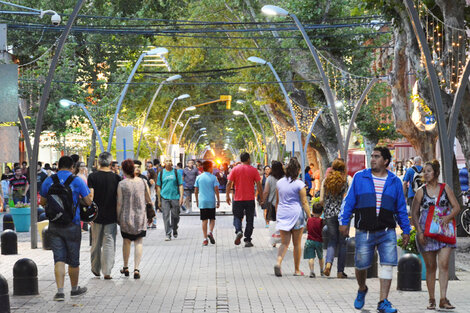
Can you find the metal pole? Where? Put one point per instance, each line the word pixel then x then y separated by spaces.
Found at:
pixel 274 131
pixel 458 98
pixel 40 119
pixel 309 135
pixel 147 115
pixel 291 109
pixel 326 85
pixel 184 128
pixel 164 121
pixel 121 98
pixel 173 130
pixel 93 125
pixel 446 150
pixel 261 127
pixel 357 108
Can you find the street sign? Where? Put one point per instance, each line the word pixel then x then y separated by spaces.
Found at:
pixel 124 143
pixel 9 141
pixel 8 93
pixel 292 142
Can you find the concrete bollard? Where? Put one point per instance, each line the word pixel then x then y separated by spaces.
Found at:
pixel 25 278
pixel 409 273
pixel 9 242
pixel 350 252
pixel 46 239
pixel 4 298
pixel 8 222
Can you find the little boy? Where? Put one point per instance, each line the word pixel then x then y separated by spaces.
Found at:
pixel 313 246
pixel 206 190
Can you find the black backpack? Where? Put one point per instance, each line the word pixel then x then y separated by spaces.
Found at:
pixel 59 207
pixel 161 178
pixel 418 179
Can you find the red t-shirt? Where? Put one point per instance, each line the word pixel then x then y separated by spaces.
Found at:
pixel 314 228
pixel 244 177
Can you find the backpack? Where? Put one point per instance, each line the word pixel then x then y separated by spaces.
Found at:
pixel 161 178
pixel 60 207
pixel 418 179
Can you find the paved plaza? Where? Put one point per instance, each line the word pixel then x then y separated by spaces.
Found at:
pixel 183 276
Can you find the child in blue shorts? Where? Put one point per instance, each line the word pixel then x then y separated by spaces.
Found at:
pixel 313 247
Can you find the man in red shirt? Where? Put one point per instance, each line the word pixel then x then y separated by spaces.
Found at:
pixel 244 177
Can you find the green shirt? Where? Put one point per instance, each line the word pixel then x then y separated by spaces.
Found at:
pixel 169 190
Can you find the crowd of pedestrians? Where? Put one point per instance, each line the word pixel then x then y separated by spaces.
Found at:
pixel 375 201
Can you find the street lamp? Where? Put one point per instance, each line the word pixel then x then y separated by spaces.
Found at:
pixel 239 113
pixel 185 125
pixel 190 108
pixel 197 131
pixel 67 103
pixel 169 79
pixel 289 104
pixel 197 141
pixel 155 51
pixel 183 96
pixel 274 10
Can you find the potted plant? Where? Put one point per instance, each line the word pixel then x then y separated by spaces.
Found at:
pixel 412 247
pixel 21 214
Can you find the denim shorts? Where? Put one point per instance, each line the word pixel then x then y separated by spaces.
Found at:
pixel 65 243
pixel 384 240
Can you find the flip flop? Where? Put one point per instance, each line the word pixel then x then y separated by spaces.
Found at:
pixel 277 271
pixel 301 274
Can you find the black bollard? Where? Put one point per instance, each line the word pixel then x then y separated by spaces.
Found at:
pixel 373 271
pixel 409 273
pixel 9 242
pixel 324 236
pixel 41 211
pixel 25 278
pixel 350 252
pixel 4 298
pixel 8 222
pixel 46 239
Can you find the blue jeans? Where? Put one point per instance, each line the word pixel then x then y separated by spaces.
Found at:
pixel 367 241
pixel 335 239
pixel 242 209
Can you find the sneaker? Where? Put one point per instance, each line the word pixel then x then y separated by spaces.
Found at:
pixel 238 238
pixel 360 299
pixel 59 296
pixel 168 238
pixel 211 238
pixel 312 275
pixel 248 244
pixel 342 275
pixel 205 242
pixel 385 306
pixel 78 292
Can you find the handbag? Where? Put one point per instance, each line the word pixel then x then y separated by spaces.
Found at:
pixel 434 227
pixel 150 211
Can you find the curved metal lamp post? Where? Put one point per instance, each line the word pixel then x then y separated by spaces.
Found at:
pixel 156 51
pixel 239 113
pixel 190 108
pixel 67 103
pixel 289 104
pixel 169 79
pixel 186 124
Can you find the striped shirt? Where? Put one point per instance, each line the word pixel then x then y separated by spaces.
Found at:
pixel 379 183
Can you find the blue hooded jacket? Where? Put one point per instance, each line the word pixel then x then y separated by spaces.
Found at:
pixel 361 201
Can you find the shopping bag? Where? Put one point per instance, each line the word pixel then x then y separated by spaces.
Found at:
pixel 275 235
pixel 435 227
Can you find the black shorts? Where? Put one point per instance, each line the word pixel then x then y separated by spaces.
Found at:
pixel 207 214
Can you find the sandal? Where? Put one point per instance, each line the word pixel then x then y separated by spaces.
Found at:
pixel 136 274
pixel 445 304
pixel 432 304
pixel 299 274
pixel 277 271
pixel 125 271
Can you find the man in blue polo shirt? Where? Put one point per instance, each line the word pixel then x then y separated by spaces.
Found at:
pixel 413 180
pixel 66 239
pixel 206 190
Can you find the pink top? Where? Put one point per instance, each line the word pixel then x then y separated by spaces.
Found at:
pixel 244 178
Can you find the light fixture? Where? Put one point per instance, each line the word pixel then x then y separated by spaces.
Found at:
pixel 191 108
pixel 238 113
pixel 274 10
pixel 157 51
pixel 184 96
pixel 242 89
pixel 257 60
pixel 66 103
pixel 172 78
pixel 241 101
pixel 196 116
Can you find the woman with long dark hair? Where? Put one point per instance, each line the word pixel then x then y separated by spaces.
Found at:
pixel 269 192
pixel 435 253
pixel 292 209
pixel 333 189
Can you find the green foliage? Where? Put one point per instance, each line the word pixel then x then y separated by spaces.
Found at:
pixel 411 246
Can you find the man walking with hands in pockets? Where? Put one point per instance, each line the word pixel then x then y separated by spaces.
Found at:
pixel 376 198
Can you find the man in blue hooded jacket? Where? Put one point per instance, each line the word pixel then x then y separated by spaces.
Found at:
pixel 376 198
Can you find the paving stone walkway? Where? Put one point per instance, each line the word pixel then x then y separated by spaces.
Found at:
pixel 183 276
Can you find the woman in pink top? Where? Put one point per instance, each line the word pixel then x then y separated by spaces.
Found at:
pixel 292 209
